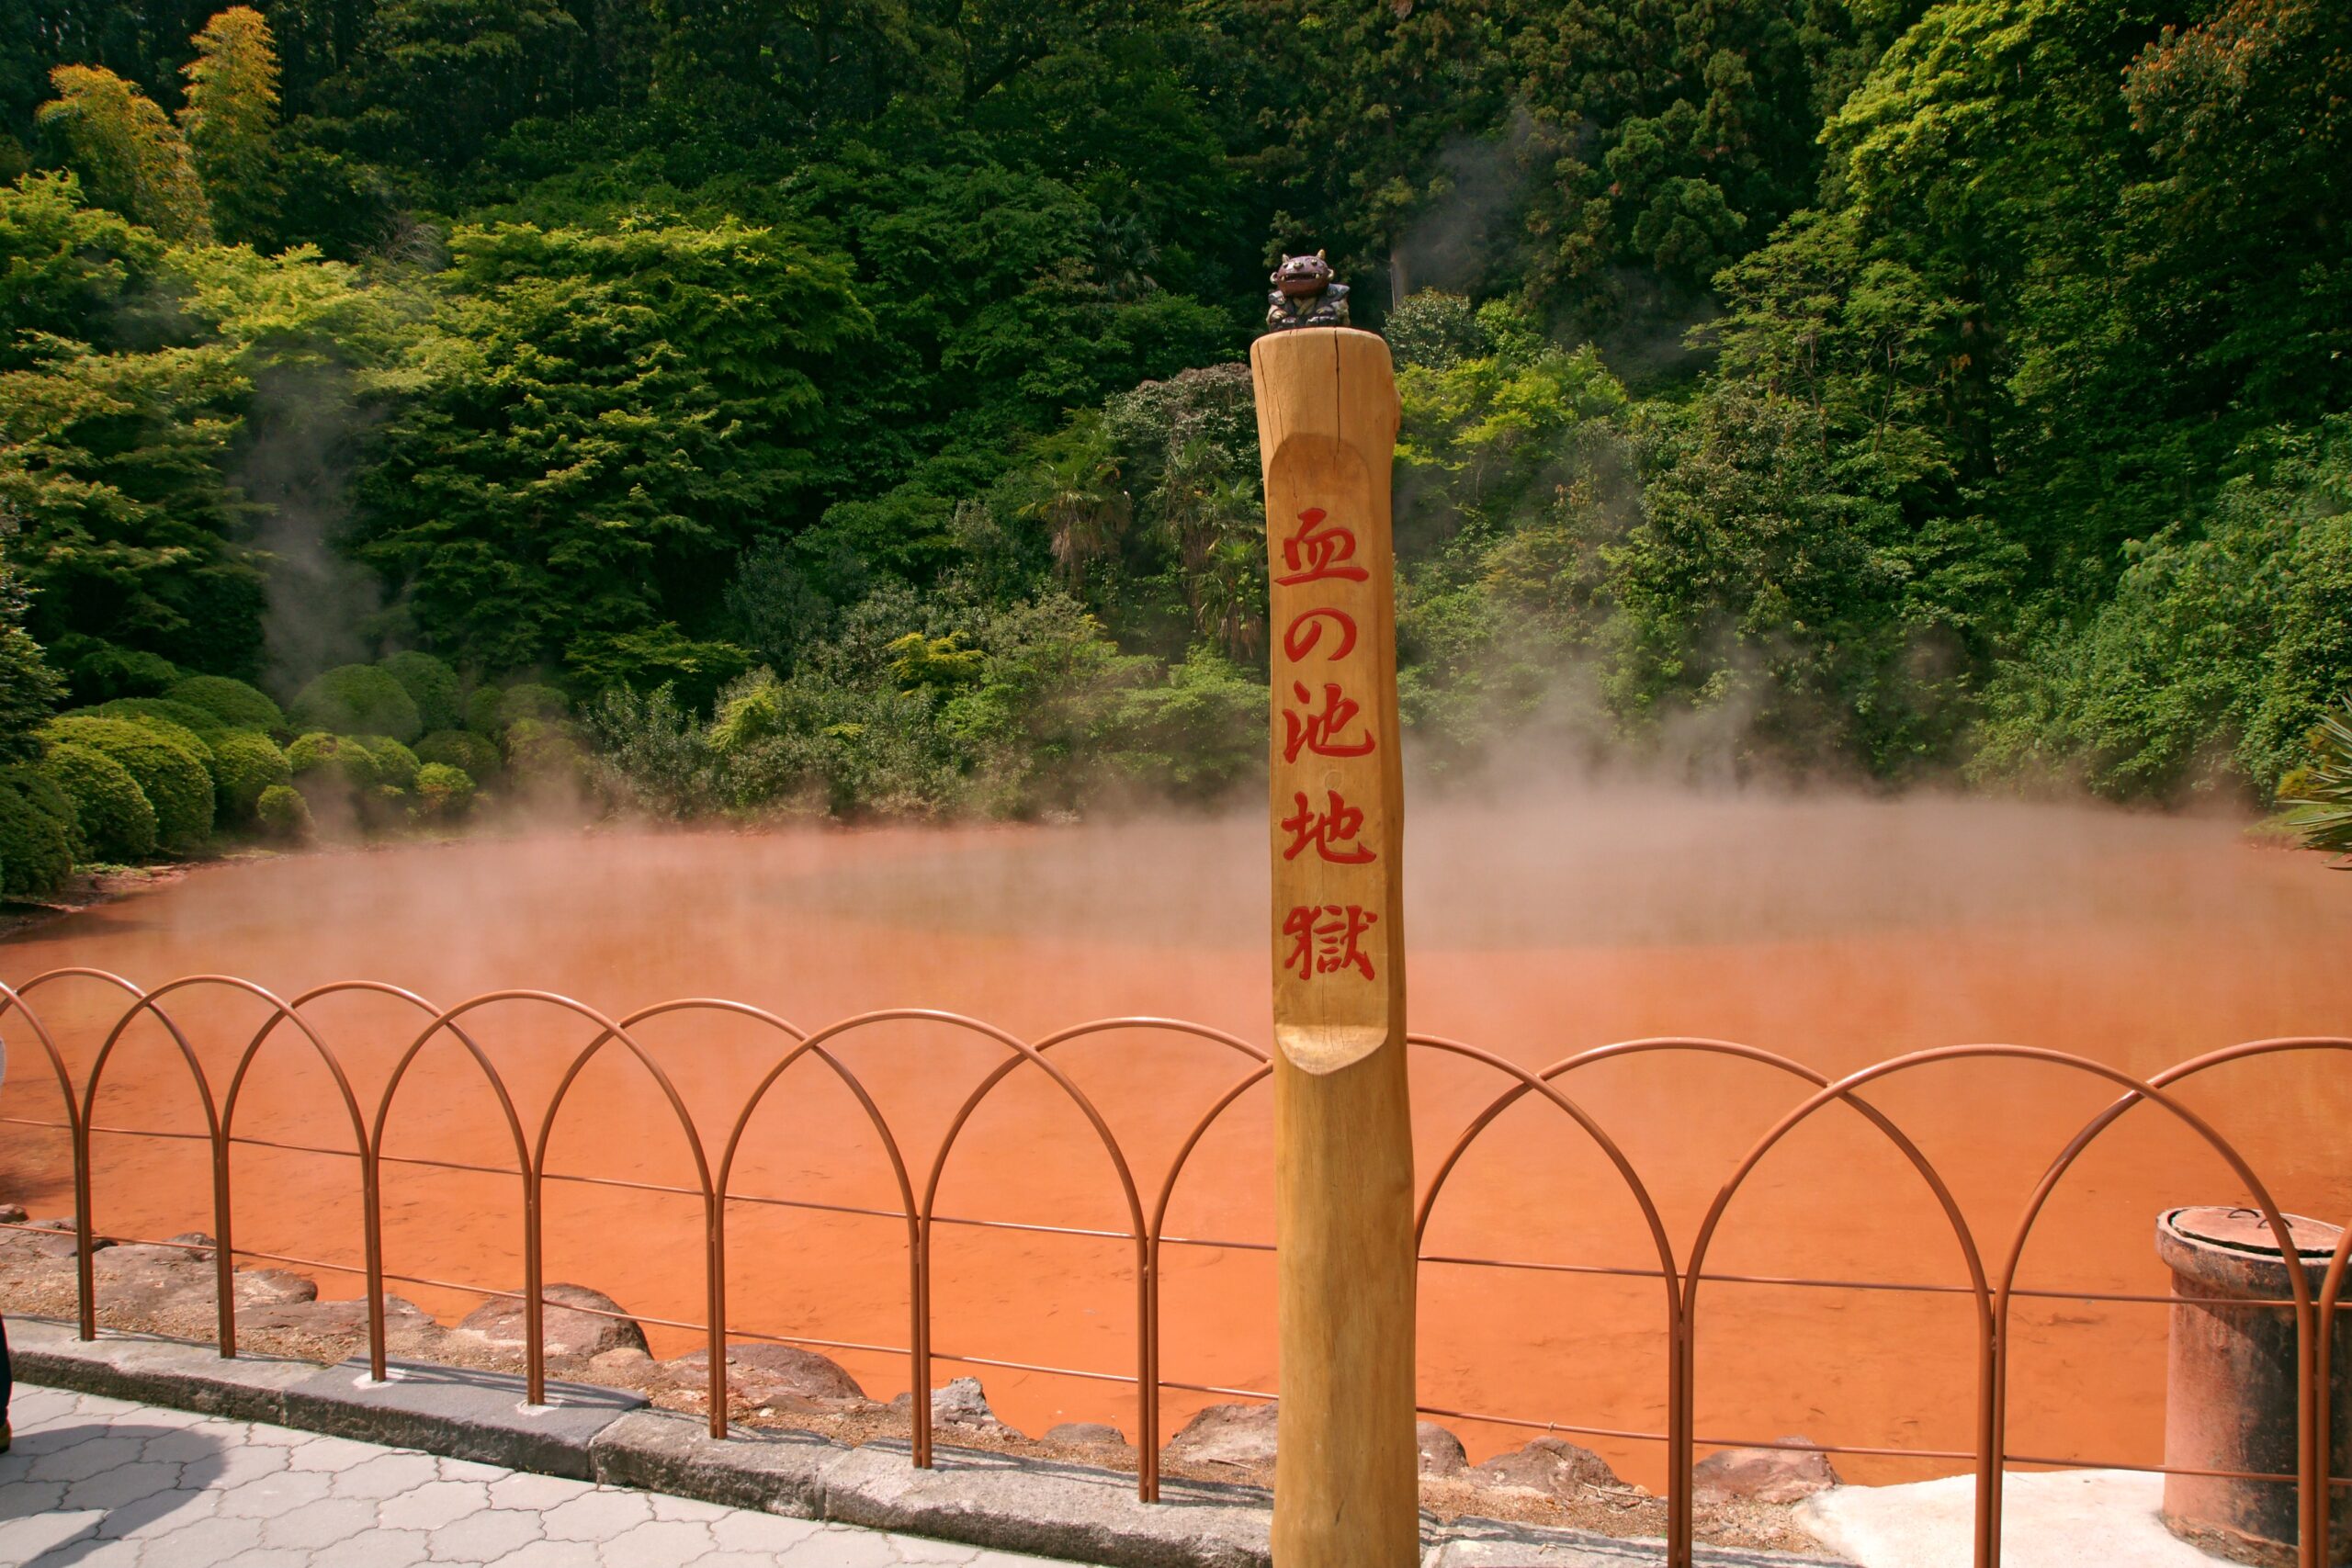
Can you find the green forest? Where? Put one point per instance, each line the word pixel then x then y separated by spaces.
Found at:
pixel 696 407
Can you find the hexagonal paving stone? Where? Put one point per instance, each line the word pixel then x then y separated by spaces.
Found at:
pixel 597 1515
pixel 433 1504
pixel 485 1537
pixel 658 1543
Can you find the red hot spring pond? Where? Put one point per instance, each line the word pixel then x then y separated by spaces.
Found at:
pixel 1836 931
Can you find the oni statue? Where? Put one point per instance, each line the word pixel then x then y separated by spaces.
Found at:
pixel 1306 296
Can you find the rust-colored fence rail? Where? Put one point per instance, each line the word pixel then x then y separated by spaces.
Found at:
pixel 1992 1272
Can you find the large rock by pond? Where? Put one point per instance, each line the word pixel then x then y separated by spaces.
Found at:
pixel 1241 1435
pixel 1442 1451
pixel 1086 1435
pixel 497 1327
pixel 1553 1466
pixel 1760 1475
pixel 783 1378
pixel 962 1404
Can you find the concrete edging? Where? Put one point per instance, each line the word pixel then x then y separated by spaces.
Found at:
pixel 995 1501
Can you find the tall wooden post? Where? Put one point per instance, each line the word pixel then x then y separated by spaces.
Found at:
pixel 1346 1475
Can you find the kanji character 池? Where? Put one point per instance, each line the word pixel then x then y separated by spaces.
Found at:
pixel 1321 732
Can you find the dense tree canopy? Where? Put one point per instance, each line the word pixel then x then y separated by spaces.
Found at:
pixel 838 403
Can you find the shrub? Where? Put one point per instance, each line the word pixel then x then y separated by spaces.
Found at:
pixel 49 796
pixel 462 750
pixel 543 703
pixel 283 814
pixel 98 671
pixel 357 699
pixel 443 792
pixel 200 723
pixel 246 763
pixel 431 685
pixel 544 753
pixel 111 813
pixel 36 849
pixel 481 712
pixel 395 765
pixel 347 761
pixel 232 703
pixel 171 775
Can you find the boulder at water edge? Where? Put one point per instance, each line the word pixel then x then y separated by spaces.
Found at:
pixel 498 1326
pixel 775 1377
pixel 1553 1466
pixel 1761 1475
pixel 1442 1451
pixel 962 1405
pixel 1238 1434
pixel 1087 1435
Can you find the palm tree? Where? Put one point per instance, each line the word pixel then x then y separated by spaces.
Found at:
pixel 1083 507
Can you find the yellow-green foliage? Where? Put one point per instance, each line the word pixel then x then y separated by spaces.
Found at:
pixel 444 793
pixel 170 770
pixel 231 703
pixel 396 765
pixel 340 759
pixel 110 811
pixel 246 763
pixel 462 750
pixel 198 722
pixel 283 814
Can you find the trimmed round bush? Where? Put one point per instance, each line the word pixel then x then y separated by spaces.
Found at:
pixel 357 699
pixel 98 669
pixel 283 814
pixel 46 796
pixel 200 723
pixel 529 701
pixel 462 750
pixel 246 763
pixel 232 703
pixel 444 793
pixel 481 712
pixel 395 764
pixel 35 853
pixel 338 758
pixel 110 811
pixel 430 684
pixel 170 775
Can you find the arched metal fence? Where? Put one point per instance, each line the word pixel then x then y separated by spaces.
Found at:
pixel 1991 1285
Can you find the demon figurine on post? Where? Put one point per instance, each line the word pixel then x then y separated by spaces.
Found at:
pixel 1306 296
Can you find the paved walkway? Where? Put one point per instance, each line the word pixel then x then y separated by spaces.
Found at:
pixel 96 1483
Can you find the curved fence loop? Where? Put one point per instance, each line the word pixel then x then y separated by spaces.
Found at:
pixel 2314 1333
pixel 534 1360
pixel 83 1203
pixel 224 1237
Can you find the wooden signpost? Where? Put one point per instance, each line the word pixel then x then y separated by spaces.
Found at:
pixel 1345 1477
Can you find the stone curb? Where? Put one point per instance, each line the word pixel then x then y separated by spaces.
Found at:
pixel 998 1502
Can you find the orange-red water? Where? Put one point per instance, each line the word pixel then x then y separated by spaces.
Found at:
pixel 1836 931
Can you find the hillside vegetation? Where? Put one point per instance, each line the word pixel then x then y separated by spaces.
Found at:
pixel 703 407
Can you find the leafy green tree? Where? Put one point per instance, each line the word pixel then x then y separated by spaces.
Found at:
pixel 126 150
pixel 29 689
pixel 230 121
pixel 615 417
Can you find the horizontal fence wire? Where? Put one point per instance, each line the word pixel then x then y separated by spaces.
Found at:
pixel 1992 1286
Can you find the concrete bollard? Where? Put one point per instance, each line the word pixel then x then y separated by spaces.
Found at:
pixel 2230 1401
